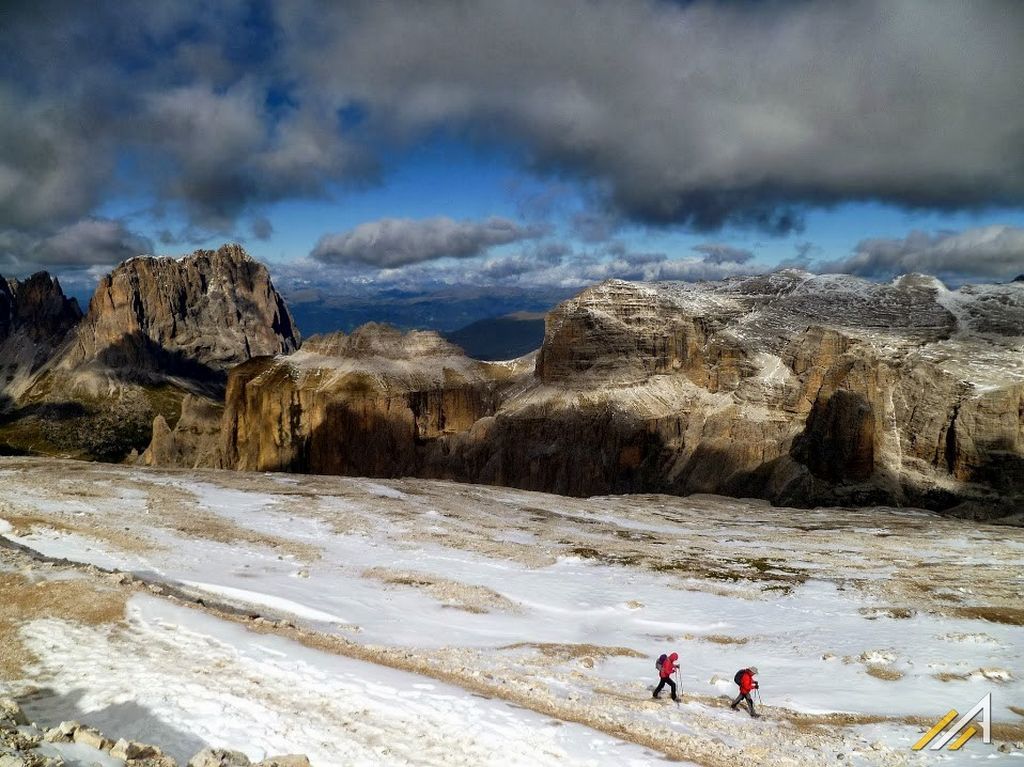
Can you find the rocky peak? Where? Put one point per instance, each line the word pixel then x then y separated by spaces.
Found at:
pixel 41 309
pixel 194 317
pixel 35 318
pixel 382 341
pixel 36 306
pixel 622 333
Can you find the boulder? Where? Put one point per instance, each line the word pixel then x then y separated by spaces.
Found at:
pixel 287 760
pixel 88 736
pixel 129 750
pixel 219 757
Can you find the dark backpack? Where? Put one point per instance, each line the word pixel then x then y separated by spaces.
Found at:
pixel 739 674
pixel 661 661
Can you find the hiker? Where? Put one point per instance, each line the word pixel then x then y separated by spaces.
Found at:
pixel 745 679
pixel 666 667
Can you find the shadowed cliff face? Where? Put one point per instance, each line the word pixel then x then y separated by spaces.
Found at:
pixel 796 388
pixel 35 318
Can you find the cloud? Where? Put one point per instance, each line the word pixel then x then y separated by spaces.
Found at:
pixel 228 152
pixel 85 243
pixel 261 227
pixel 706 113
pixel 702 114
pixel 717 253
pixel 990 252
pixel 539 266
pixel 394 242
pixel 189 106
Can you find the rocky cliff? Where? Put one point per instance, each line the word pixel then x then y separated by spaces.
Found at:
pixel 35 318
pixel 370 403
pixel 193 318
pixel 156 330
pixel 795 388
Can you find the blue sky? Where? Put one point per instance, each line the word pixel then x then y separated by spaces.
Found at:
pixel 527 149
pixel 448 177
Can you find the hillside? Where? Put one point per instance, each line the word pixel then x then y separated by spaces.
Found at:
pixel 501 338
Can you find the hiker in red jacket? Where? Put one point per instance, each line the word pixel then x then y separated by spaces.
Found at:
pixel 665 670
pixel 745 679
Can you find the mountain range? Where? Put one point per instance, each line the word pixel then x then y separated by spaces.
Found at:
pixel 795 388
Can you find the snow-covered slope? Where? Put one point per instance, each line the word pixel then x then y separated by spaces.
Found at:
pixel 362 621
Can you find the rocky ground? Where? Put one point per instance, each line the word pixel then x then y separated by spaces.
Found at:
pixel 293 612
pixel 27 744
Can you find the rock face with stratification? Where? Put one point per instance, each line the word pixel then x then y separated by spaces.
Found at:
pixel 795 388
pixel 369 403
pixel 191 318
pixel 801 389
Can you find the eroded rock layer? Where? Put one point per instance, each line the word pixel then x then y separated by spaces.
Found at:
pixel 795 388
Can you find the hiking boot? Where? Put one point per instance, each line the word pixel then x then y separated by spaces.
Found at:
pixel 755 716
pixel 655 696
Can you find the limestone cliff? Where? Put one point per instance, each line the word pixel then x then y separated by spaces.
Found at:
pixel 368 403
pixel 796 388
pixel 156 330
pixel 191 318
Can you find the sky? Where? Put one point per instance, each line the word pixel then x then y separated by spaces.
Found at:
pixel 509 153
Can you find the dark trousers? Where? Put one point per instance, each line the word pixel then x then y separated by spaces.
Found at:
pixel 744 696
pixel 665 681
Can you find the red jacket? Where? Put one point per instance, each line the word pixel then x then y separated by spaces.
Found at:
pixel 747 682
pixel 669 666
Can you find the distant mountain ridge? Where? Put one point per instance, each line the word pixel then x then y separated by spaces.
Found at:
pixel 797 388
pixel 501 338
pixel 801 389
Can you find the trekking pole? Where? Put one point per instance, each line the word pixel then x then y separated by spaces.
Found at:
pixel 679 682
pixel 758 691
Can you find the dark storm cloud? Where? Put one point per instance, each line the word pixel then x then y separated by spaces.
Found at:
pixel 393 242
pixel 183 102
pixel 711 113
pixel 717 253
pixel 261 227
pixel 700 114
pixel 991 252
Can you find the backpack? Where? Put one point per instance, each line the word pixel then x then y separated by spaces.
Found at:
pixel 661 661
pixel 739 674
